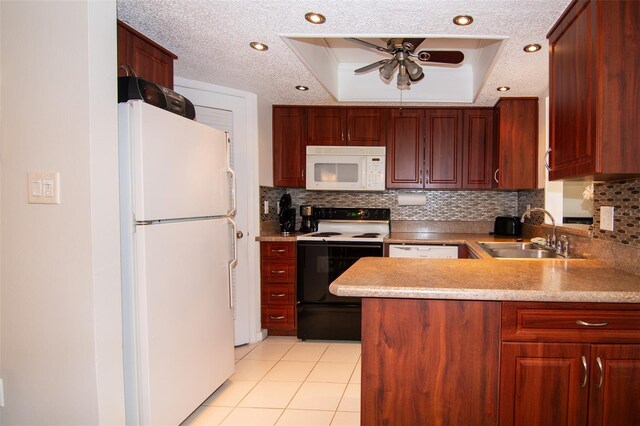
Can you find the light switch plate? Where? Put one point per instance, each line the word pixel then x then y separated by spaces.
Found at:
pixel 606 218
pixel 43 187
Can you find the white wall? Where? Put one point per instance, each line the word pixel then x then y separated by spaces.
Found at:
pixel 265 136
pixel 60 294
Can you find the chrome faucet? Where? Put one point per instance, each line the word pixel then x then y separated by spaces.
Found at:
pixel 527 213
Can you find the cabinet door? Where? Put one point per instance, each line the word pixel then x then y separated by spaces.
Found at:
pixel 326 126
pixel 366 126
pixel 405 148
pixel 572 84
pixel 543 384
pixel 443 149
pixel 289 153
pixel 518 143
pixel 477 169
pixel 615 385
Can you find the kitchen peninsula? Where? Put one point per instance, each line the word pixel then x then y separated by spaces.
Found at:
pixel 495 341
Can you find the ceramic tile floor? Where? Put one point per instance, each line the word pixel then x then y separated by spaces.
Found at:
pixel 284 381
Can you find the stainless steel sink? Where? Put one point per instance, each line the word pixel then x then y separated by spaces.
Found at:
pixel 519 251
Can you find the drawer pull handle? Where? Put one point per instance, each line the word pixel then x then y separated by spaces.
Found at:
pixel 278 272
pixel 278 251
pixel 278 295
pixel 599 362
pixel 592 324
pixel 585 372
pixel 276 318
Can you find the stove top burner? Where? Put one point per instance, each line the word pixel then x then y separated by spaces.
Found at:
pixel 367 235
pixel 325 234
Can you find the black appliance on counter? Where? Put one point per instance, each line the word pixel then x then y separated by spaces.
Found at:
pixel 287 215
pixel 507 226
pixel 344 236
pixel 308 221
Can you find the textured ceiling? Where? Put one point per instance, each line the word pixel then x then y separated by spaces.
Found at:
pixel 211 38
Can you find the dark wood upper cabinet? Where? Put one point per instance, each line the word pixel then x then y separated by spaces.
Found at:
pixel 346 126
pixel 478 138
pixel 146 58
pixel 594 91
pixel 289 147
pixel 517 143
pixel 405 148
pixel 326 126
pixel 366 126
pixel 443 149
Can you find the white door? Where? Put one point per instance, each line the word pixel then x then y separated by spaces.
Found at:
pixel 179 166
pixel 184 315
pixel 223 120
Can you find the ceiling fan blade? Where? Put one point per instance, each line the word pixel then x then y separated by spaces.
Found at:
pixel 415 42
pixel 371 45
pixel 442 56
pixel 371 66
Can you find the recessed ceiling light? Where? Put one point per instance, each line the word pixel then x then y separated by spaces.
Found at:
pixel 530 48
pixel 463 20
pixel 259 46
pixel 302 88
pixel 503 88
pixel 315 18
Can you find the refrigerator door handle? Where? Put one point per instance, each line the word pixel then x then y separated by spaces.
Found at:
pixel 232 174
pixel 233 262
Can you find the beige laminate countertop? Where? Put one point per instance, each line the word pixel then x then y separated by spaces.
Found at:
pixel 485 278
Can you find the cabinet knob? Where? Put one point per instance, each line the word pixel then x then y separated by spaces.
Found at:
pixel 278 295
pixel 280 317
pixel 278 251
pixel 278 272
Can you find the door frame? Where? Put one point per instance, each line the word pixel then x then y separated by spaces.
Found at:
pixel 244 106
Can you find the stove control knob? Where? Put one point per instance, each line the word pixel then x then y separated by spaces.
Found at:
pixel 365 214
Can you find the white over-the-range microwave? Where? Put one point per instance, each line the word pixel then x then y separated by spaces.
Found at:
pixel 346 168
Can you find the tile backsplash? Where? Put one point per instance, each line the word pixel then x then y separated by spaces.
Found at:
pixel 624 196
pixel 441 205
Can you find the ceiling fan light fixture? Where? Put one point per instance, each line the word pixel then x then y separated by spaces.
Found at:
pixel 530 48
pixel 302 88
pixel 503 88
pixel 403 78
pixel 386 71
pixel 315 18
pixel 258 46
pixel 463 20
pixel 414 70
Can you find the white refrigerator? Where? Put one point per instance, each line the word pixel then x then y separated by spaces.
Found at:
pixel 177 202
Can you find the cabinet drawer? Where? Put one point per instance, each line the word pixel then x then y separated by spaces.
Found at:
pixel 278 317
pixel 278 294
pixel 276 250
pixel 278 271
pixel 570 322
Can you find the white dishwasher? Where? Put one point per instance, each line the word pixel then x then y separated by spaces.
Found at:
pixel 423 251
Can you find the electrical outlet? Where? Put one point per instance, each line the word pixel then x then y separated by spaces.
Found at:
pixel 606 218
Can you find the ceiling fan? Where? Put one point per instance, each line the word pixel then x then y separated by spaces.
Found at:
pixel 402 50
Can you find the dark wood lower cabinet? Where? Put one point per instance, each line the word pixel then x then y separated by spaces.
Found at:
pixel 542 384
pixel 614 398
pixel 430 362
